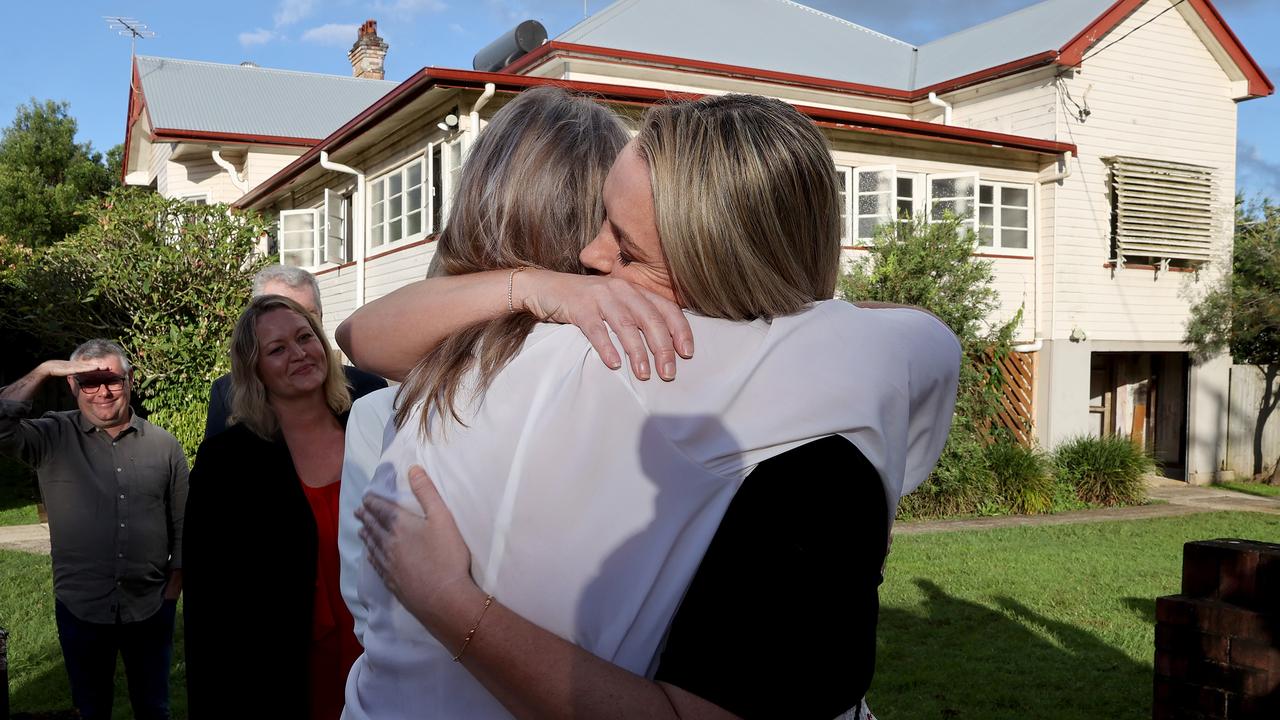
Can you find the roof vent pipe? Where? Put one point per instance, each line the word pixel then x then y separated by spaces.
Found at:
pixel 508 48
pixel 946 107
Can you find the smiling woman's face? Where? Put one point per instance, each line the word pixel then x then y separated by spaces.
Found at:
pixel 627 246
pixel 291 360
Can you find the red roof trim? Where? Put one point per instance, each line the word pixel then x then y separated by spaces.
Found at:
pixel 172 135
pixel 137 102
pixel 1073 53
pixel 467 79
pixel 545 52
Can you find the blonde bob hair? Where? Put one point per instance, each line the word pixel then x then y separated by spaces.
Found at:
pixel 250 403
pixel 529 197
pixel 746 201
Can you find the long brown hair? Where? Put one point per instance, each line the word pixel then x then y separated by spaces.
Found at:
pixel 746 201
pixel 529 197
pixel 249 402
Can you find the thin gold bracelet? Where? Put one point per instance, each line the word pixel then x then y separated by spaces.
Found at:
pixel 511 281
pixel 472 632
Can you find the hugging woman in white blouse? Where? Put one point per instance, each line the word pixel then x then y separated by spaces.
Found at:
pixel 569 506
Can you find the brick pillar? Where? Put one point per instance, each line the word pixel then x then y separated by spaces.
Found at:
pixel 1218 643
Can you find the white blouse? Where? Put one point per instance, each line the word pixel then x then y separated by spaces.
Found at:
pixel 588 498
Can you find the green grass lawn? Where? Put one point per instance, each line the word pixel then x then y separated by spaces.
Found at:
pixel 1040 622
pixel 37 680
pixel 1251 488
pixel 17 493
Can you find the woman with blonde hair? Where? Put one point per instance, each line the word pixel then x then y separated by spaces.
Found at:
pixel 569 507
pixel 267 633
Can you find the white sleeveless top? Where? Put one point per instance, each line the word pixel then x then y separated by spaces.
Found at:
pixel 588 498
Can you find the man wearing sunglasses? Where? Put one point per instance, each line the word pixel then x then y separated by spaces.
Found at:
pixel 115 487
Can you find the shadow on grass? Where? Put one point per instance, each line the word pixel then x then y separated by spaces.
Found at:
pixel 954 658
pixel 17 485
pixel 1144 608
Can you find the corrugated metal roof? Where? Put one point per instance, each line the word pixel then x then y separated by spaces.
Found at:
pixel 785 36
pixel 769 34
pixel 1044 26
pixel 212 97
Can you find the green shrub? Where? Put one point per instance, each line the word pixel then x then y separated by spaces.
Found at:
pixel 931 265
pixel 962 483
pixel 1022 477
pixel 165 278
pixel 1104 471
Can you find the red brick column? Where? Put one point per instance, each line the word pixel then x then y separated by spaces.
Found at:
pixel 1218 643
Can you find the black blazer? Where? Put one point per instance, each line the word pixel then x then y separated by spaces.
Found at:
pixel 249 577
pixel 361 383
pixel 780 620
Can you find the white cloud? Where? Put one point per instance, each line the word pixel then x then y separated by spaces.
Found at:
pixel 332 34
pixel 409 8
pixel 291 11
pixel 457 29
pixel 509 11
pixel 256 37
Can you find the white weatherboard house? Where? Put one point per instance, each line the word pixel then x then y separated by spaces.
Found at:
pixel 1090 142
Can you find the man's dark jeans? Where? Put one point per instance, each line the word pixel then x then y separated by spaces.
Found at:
pixel 89 651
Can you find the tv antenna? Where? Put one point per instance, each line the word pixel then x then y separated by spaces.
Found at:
pixel 131 27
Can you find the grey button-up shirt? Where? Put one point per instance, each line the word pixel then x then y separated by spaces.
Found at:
pixel 115 508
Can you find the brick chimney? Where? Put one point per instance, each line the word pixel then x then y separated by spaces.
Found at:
pixel 368 53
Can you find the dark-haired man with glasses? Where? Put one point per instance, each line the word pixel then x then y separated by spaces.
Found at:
pixel 115 487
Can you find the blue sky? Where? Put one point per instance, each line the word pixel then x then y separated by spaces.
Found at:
pixel 62 49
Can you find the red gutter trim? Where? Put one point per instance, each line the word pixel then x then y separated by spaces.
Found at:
pixel 991 73
pixel 1259 84
pixel 467 79
pixel 171 134
pixel 545 50
pixel 1073 53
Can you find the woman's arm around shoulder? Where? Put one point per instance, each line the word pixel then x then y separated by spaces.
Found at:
pixel 532 672
pixel 391 334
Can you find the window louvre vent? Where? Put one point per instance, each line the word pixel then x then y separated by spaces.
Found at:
pixel 1162 210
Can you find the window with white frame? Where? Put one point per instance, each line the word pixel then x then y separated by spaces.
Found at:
pixel 396 204
pixel 1004 216
pixel 954 194
pixel 874 199
pixel 844 179
pixel 411 201
pixel 314 236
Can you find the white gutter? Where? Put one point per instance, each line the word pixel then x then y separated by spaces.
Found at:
pixel 357 221
pixel 946 107
pixel 474 126
pixel 1053 301
pixel 241 184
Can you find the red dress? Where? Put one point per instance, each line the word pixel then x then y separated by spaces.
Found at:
pixel 334 647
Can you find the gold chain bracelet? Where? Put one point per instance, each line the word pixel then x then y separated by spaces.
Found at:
pixel 472 632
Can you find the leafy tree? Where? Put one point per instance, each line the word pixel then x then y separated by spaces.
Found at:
pixel 1240 312
pixel 931 265
pixel 45 175
pixel 165 278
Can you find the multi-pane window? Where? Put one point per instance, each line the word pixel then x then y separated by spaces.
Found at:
pixel 1004 216
pixel 875 199
pixel 395 204
pixel 906 208
pixel 411 200
pixel 315 236
pixel 954 195
pixel 844 178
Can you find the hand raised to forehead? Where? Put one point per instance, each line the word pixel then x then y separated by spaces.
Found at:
pixel 64 368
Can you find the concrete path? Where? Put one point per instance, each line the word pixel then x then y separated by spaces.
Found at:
pixel 1177 498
